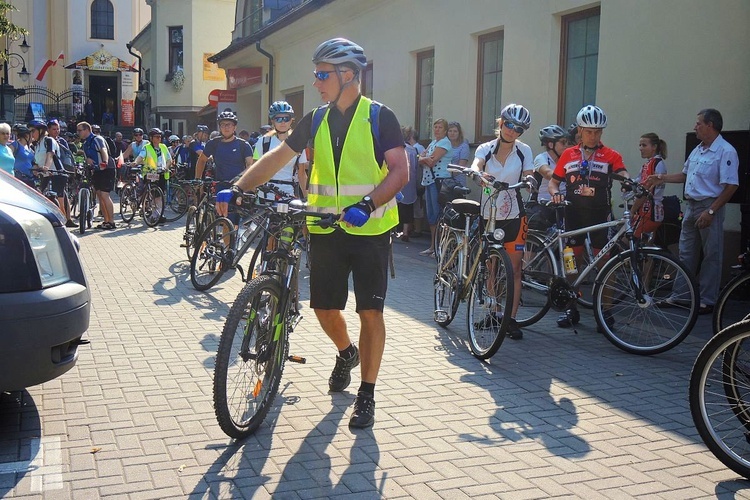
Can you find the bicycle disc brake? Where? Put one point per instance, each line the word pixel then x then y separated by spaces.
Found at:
pixel 562 296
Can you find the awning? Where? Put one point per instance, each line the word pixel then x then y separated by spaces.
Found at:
pixel 101 60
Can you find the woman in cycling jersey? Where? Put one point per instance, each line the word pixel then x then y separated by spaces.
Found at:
pixel 434 162
pixel 648 213
pixel 292 179
pixel 508 160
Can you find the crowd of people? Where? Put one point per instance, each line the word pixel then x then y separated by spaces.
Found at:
pixel 362 164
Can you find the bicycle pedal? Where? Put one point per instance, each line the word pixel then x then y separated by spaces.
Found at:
pixel 297 359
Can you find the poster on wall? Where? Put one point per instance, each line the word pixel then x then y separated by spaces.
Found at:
pixel 212 71
pixel 77 90
pixel 127 100
pixel 227 101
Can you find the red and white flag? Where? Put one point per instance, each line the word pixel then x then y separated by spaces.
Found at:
pixel 43 66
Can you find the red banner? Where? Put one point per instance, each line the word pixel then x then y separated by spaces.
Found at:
pixel 244 77
pixel 127 113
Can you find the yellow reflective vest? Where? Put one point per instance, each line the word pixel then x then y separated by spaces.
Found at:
pixel 358 175
pixel 150 163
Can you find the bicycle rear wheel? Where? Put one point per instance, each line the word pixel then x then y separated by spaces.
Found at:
pixel 250 360
pixel 212 254
pixel 654 326
pixel 153 205
pixel 446 296
pixel 537 268
pixel 720 396
pixel 190 229
pixel 128 202
pixel 175 203
pixel 490 303
pixel 732 305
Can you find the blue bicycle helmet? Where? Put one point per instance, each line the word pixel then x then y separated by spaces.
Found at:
pixel 279 108
pixel 40 124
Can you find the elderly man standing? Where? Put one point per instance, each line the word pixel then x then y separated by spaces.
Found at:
pixel 711 178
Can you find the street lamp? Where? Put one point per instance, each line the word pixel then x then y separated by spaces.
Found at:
pixel 8 59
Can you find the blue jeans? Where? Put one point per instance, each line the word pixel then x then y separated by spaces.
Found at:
pixel 431 203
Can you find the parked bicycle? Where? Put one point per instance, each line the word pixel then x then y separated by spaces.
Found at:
pixel 473 265
pixel 142 195
pixel 222 246
pixel 733 304
pixel 83 199
pixel 720 396
pixel 635 303
pixel 176 200
pixel 254 343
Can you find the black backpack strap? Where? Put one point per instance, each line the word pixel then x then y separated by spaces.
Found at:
pixel 266 143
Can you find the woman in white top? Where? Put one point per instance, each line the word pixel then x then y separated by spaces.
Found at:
pixel 508 160
pixel 294 173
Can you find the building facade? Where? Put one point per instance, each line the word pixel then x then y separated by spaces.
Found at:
pixel 174 49
pixel 78 53
pixel 650 65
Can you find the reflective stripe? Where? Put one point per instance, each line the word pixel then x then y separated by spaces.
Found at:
pixel 356 190
pixel 322 190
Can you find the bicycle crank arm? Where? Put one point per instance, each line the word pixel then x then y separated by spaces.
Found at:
pixel 297 359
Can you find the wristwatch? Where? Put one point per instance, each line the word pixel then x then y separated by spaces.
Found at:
pixel 711 211
pixel 369 202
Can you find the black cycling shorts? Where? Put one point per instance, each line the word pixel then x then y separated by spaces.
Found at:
pixel 334 256
pixel 577 219
pixel 58 184
pixel 104 180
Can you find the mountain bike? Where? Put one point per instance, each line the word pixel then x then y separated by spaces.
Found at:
pixel 141 194
pixel 221 246
pixel 720 396
pixel 645 301
pixel 83 205
pixel 176 202
pixel 254 343
pixel 733 304
pixel 200 215
pixel 473 265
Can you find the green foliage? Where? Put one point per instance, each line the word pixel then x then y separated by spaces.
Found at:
pixel 7 29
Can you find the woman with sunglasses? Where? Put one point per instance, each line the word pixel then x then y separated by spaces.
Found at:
pixel 292 179
pixel 434 161
pixel 586 169
pixel 508 160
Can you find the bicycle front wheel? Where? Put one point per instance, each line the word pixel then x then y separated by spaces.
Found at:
pixel 212 254
pixel 128 202
pixel 83 212
pixel 490 304
pixel 190 232
pixel 446 278
pixel 720 396
pixel 252 351
pixel 538 267
pixel 175 203
pixel 153 205
pixel 655 325
pixel 732 305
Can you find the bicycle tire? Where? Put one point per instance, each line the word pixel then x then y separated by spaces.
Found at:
pixel 211 255
pixel 153 210
pixel 190 229
pixel 736 381
pixel 715 414
pixel 84 195
pixel 647 328
pixel 732 305
pixel 249 366
pixel 128 202
pixel 446 283
pixel 484 342
pixel 175 202
pixel 74 205
pixel 538 266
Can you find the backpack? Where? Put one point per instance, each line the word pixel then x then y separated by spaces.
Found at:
pixel 111 146
pixel 50 149
pixel 67 159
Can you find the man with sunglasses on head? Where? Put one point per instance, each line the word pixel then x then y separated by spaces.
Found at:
pixel 358 176
pixel 586 170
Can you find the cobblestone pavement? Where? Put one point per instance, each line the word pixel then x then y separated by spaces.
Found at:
pixel 557 414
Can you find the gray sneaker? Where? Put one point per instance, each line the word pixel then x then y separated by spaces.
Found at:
pixel 363 415
pixel 341 376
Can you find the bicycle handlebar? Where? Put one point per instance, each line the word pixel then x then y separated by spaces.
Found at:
pixel 527 182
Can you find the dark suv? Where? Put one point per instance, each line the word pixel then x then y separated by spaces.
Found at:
pixel 44 297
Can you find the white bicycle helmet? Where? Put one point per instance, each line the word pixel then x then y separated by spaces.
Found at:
pixel 280 108
pixel 227 115
pixel 173 138
pixel 517 114
pixel 591 117
pixel 551 133
pixel 339 51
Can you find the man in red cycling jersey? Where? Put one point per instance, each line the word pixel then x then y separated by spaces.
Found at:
pixel 586 170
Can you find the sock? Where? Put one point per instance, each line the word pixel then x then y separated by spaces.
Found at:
pixel 349 352
pixel 367 388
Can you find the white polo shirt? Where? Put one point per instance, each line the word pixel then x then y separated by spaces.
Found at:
pixel 709 169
